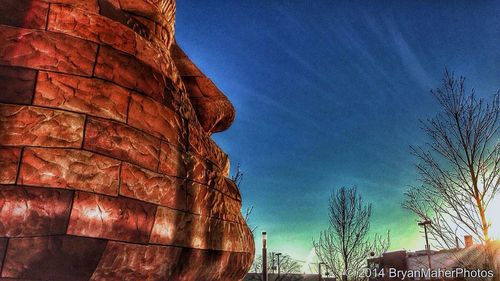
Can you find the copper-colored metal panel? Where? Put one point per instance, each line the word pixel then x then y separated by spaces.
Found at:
pixel 124 261
pixel 92 96
pixel 9 161
pixel 116 218
pixel 123 142
pixel 18 84
pixel 69 169
pixel 46 50
pixel 36 126
pixel 24 13
pixel 152 187
pixel 54 258
pixel 29 211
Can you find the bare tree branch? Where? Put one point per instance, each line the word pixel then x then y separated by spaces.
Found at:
pixel 237 178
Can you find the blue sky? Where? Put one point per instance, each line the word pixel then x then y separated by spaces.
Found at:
pixel 329 94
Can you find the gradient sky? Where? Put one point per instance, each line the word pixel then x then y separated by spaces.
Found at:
pixel 329 93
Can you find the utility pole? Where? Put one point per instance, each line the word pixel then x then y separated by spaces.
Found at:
pixel 273 267
pixel 279 269
pixel 427 247
pixel 264 256
pixel 319 270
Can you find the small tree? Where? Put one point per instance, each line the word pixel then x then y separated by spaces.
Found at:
pixel 248 216
pixel 346 244
pixel 237 178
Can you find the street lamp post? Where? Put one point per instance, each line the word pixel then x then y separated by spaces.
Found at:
pixel 427 246
pixel 264 256
pixel 279 269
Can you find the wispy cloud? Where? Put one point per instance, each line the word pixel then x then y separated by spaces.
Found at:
pixel 409 58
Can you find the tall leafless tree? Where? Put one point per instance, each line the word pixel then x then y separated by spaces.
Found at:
pixel 459 167
pixel 289 268
pixel 347 243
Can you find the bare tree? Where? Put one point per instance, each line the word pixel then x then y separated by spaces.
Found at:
pixel 459 167
pixel 346 244
pixel 237 178
pixel 289 268
pixel 248 216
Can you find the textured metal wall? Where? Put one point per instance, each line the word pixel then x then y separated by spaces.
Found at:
pixel 107 168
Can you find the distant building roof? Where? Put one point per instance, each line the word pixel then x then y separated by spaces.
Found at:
pixel 443 259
